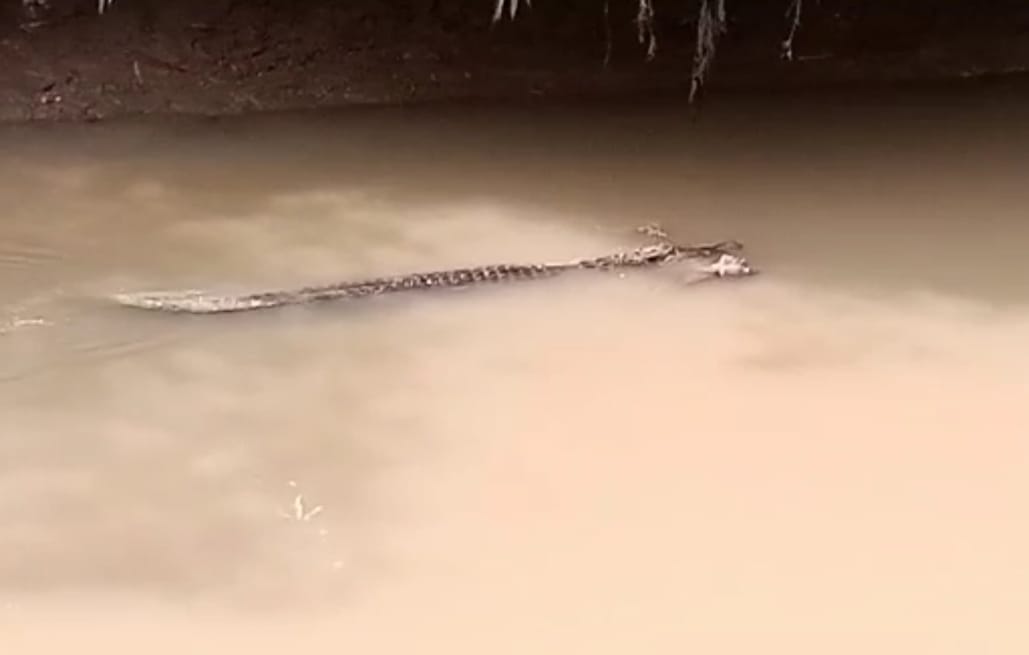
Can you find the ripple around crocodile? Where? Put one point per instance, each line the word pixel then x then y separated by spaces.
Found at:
pixel 716 260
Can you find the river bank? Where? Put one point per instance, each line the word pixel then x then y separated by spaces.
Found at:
pixel 229 57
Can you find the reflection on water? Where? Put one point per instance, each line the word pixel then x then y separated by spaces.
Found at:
pixel 828 457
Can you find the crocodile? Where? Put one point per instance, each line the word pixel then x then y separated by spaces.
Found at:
pixel 711 261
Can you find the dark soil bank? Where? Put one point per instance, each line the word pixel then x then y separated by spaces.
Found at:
pixel 67 62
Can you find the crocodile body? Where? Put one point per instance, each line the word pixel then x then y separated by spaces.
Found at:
pixel 714 260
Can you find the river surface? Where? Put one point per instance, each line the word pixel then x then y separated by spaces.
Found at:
pixel 828 458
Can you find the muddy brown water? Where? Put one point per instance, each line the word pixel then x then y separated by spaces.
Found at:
pixel 829 458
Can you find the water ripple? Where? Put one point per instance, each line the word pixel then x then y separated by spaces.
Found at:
pixel 23 255
pixel 50 332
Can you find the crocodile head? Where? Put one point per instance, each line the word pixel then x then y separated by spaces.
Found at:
pixel 729 265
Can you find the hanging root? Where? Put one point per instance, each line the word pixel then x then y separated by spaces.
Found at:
pixel 793 14
pixel 608 38
pixel 512 8
pixel 711 24
pixel 645 27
